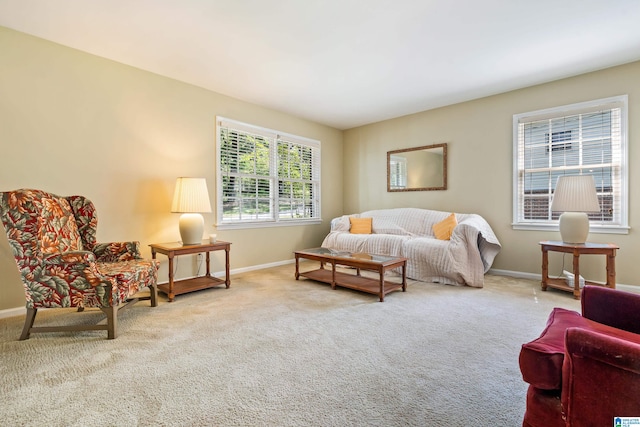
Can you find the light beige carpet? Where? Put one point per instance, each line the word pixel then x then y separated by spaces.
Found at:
pixel 271 351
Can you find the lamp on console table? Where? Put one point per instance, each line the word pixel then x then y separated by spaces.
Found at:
pixel 191 198
pixel 574 196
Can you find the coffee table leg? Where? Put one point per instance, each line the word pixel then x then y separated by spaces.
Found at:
pixel 297 267
pixel 333 274
pixel 404 277
pixel 381 271
pixel 227 266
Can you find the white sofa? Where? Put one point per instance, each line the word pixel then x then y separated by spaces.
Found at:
pixel 407 232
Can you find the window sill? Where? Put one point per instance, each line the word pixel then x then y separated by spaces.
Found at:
pixel 267 224
pixel 596 229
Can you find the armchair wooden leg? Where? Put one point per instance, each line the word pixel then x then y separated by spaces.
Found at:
pixel 28 323
pixel 153 290
pixel 112 321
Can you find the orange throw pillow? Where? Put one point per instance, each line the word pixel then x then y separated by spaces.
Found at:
pixel 444 228
pixel 360 225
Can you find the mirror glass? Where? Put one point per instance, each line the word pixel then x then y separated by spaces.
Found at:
pixel 417 169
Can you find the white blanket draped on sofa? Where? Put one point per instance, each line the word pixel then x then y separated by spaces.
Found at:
pixel 407 232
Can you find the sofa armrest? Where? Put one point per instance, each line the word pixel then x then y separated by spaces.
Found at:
pixel 600 377
pixel 117 251
pixel 477 233
pixel 342 223
pixel 612 307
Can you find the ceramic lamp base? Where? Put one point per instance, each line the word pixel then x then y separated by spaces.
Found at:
pixel 574 227
pixel 191 228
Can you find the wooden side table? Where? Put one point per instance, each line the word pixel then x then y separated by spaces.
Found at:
pixel 207 281
pixel 607 249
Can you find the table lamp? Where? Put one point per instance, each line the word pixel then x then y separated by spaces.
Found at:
pixel 191 198
pixel 575 196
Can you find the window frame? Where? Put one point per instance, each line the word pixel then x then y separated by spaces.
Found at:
pixel 272 135
pixel 556 113
pixel 397 172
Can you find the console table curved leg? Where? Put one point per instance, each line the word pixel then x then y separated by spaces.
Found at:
pixel 545 269
pixel 576 275
pixel 611 270
pixel 171 295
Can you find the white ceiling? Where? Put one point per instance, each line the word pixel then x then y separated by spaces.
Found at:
pixel 345 63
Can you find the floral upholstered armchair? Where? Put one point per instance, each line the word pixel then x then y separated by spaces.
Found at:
pixel 53 240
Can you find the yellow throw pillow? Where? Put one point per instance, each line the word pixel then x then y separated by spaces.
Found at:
pixel 444 228
pixel 360 225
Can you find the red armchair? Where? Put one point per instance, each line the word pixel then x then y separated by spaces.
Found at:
pixel 53 240
pixel 585 370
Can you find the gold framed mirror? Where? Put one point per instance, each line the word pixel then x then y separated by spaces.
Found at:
pixel 417 169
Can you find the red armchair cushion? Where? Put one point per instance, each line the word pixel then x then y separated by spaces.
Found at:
pixel 541 359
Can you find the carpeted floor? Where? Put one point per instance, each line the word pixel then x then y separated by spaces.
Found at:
pixel 272 351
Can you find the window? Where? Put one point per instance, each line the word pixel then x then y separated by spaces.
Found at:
pixel 580 139
pixel 265 177
pixel 558 140
pixel 398 172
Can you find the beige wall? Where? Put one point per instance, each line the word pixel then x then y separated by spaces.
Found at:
pixel 74 123
pixel 479 134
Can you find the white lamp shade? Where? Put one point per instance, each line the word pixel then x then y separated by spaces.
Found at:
pixel 191 196
pixel 575 193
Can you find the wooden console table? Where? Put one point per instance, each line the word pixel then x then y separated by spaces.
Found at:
pixel 207 281
pixel 607 249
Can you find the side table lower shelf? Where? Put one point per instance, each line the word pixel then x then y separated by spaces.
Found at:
pixel 191 285
pixel 351 281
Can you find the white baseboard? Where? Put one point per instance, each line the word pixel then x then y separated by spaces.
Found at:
pixel 10 312
pixel 20 311
pixel 259 267
pixel 516 274
pixel 534 276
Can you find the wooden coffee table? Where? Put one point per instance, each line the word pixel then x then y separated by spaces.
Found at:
pixel 359 261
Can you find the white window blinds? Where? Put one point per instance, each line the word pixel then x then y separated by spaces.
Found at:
pixel 580 139
pixel 397 172
pixel 266 176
